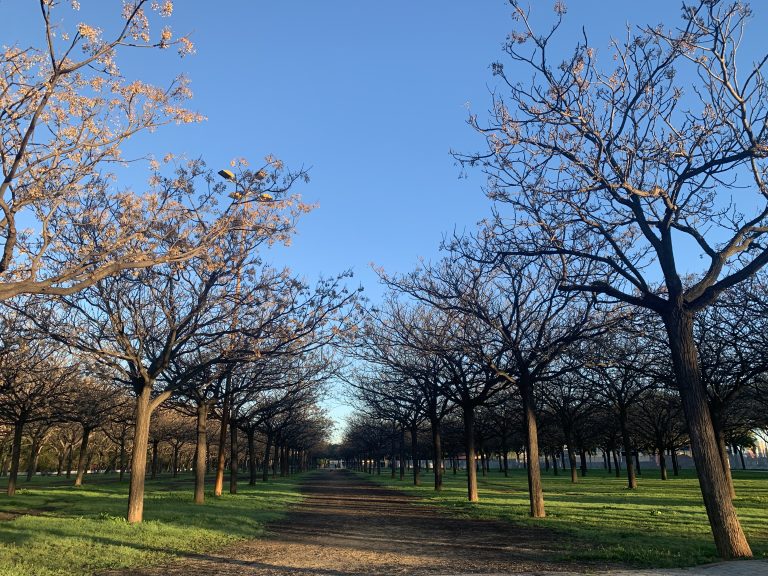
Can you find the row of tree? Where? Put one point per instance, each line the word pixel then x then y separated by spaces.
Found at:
pixel 156 298
pixel 629 194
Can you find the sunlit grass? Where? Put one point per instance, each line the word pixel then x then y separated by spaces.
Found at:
pixel 76 531
pixel 662 523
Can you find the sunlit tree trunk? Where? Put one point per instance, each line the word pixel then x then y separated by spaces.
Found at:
pixel 139 456
pixel 726 529
pixel 468 412
pixel 218 485
pixel 13 474
pixel 201 452
pixel 82 456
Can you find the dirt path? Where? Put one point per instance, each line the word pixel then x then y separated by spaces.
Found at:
pixel 346 526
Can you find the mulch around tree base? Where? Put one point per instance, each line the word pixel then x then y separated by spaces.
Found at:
pixel 347 526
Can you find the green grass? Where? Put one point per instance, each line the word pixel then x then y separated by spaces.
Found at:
pixel 76 531
pixel 661 524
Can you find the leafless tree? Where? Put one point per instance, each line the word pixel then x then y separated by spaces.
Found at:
pixel 625 168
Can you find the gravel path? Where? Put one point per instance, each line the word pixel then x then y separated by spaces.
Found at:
pixel 345 526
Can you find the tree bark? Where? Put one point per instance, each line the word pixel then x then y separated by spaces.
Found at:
pixel 723 450
pixel 267 454
pixel 469 445
pixel 252 473
pixel 155 458
pixel 233 449
pixel 218 485
pixel 13 474
pixel 627 443
pixel 572 459
pixel 402 452
pixel 82 456
pixel 201 452
pixel 437 448
pixel 662 460
pixel 139 456
pixel 122 456
pixel 415 455
pixel 726 529
pixel 34 456
pixel 68 472
pixel 535 490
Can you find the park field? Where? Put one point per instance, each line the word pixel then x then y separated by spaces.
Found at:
pixel 661 524
pixel 52 528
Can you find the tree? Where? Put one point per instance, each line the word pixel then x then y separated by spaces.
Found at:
pixel 66 112
pixel 530 324
pixel 630 170
pixel 134 324
pixel 33 375
pixel 618 367
pixel 92 403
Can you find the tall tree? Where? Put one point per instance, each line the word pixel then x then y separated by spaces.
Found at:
pixel 631 169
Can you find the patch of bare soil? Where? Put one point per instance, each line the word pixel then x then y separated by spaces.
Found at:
pixel 346 526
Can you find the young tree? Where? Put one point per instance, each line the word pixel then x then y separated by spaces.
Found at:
pixel 631 170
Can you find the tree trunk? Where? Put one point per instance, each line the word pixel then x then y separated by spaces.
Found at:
pixel 13 475
pixel 437 448
pixel 402 452
pixel 252 457
pixel 233 464
pixel 218 484
pixel 81 457
pixel 276 458
pixel 662 460
pixel 554 465
pixel 617 463
pixel 535 490
pixel 175 465
pixel 155 460
pixel 267 454
pixel 34 457
pixel 741 457
pixel 583 461
pixel 70 455
pixel 627 443
pixel 726 529
pixel 139 456
pixel 723 450
pixel 572 464
pixel 415 455
pixel 469 446
pixel 675 464
pixel 122 456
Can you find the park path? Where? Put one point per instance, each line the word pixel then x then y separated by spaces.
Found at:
pixel 346 526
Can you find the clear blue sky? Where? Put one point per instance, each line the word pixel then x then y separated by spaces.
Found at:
pixel 371 95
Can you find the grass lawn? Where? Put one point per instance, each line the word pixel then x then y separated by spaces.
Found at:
pixel 662 523
pixel 77 531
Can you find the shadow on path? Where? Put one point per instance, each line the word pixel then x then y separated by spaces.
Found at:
pixel 346 526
